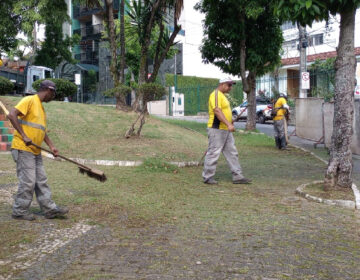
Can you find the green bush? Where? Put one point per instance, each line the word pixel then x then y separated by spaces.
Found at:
pixel 151 91
pixel 120 92
pixel 63 87
pixel 189 81
pixel 5 86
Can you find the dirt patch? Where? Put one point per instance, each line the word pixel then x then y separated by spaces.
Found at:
pixel 333 194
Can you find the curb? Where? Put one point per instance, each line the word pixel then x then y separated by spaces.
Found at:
pixel 121 163
pixel 338 202
pixel 344 203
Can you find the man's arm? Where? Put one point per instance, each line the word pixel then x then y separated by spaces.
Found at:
pixel 220 115
pixel 51 145
pixel 13 117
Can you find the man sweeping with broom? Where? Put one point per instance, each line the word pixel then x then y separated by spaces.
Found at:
pixel 29 120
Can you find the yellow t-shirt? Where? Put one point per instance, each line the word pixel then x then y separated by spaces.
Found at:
pixel 224 105
pixel 281 112
pixel 32 121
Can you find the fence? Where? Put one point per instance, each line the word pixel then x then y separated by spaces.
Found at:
pixel 196 98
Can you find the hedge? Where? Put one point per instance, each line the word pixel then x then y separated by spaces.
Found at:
pixel 5 86
pixel 189 81
pixel 64 87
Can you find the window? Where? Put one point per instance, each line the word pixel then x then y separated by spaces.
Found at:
pixel 316 40
pixel 47 74
pixel 35 78
pixel 287 25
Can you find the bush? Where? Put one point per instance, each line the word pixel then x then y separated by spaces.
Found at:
pixel 5 86
pixel 63 87
pixel 151 91
pixel 120 92
pixel 189 81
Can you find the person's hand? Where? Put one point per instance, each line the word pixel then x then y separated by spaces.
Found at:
pixel 231 127
pixel 27 140
pixel 55 151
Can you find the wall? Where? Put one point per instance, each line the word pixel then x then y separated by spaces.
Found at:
pixel 314 119
pixel 309 118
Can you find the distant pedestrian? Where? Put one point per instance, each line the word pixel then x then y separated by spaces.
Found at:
pixel 29 119
pixel 280 112
pixel 220 128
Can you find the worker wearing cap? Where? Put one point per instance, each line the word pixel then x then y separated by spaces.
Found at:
pixel 220 128
pixel 281 108
pixel 29 120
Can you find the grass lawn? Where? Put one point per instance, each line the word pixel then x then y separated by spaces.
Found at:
pixel 166 222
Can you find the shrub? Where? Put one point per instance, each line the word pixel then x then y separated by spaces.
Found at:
pixel 151 91
pixel 120 92
pixel 63 87
pixel 5 86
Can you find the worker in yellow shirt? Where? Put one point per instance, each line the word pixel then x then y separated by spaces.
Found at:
pixel 281 108
pixel 220 128
pixel 29 120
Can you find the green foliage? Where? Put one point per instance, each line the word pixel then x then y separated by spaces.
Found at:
pixel 63 87
pixel 307 11
pixel 257 28
pixel 157 165
pixel 9 26
pixel 189 81
pixel 5 86
pixel 151 91
pixel 119 92
pixel 51 13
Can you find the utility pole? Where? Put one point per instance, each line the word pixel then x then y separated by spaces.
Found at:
pixel 303 43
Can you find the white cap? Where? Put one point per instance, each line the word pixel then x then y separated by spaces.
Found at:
pixel 226 80
pixel 283 94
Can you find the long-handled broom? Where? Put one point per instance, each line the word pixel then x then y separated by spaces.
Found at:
pixel 91 172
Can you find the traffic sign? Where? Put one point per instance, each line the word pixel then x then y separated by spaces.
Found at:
pixel 305 80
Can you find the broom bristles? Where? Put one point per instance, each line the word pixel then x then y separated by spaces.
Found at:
pixel 93 173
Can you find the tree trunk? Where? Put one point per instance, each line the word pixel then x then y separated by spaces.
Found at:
pixel 339 171
pixel 112 39
pixel 251 98
pixel 122 42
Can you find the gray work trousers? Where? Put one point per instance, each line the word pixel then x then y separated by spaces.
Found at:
pixel 217 139
pixel 32 177
pixel 279 129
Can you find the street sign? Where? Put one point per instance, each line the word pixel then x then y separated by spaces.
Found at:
pixel 305 80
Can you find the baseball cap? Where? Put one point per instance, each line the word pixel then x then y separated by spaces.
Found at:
pixel 48 84
pixel 226 80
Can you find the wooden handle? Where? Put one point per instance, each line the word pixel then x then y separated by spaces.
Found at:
pixel 60 156
pixel 4 108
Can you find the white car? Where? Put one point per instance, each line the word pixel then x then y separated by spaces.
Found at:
pixel 263 110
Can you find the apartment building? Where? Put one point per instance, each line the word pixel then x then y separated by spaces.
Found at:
pixel 321 39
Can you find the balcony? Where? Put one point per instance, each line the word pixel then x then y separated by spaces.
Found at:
pixel 83 12
pixel 88 31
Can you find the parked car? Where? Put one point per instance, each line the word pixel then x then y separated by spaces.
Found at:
pixel 263 110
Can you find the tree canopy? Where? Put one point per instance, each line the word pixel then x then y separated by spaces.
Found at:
pixel 242 38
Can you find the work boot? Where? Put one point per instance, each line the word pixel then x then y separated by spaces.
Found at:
pixel 242 181
pixel 57 212
pixel 278 142
pixel 283 143
pixel 26 217
pixel 211 181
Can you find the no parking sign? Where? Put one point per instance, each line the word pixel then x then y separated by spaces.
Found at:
pixel 305 80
